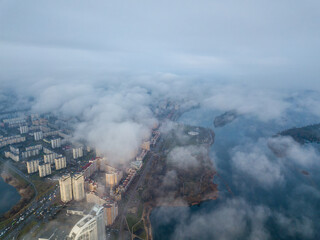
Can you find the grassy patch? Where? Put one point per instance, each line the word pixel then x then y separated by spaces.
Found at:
pixel 132 219
pixel 139 230
pixel 42 185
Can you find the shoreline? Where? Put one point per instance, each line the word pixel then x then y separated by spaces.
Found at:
pixel 212 194
pixel 150 206
pixel 15 196
pixel 25 191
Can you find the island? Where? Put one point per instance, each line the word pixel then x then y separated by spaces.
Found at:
pixel 302 135
pixel 225 118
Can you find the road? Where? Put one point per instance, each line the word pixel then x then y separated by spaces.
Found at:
pixel 38 209
pixel 134 189
pixel 33 207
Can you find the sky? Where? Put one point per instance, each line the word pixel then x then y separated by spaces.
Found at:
pixel 107 62
pixel 258 42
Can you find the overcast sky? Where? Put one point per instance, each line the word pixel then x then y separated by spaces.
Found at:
pixel 246 41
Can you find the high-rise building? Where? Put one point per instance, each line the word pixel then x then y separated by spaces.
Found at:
pixel 110 179
pixel 49 157
pixel 60 162
pixel 14 122
pixel 110 207
pixel 65 188
pixel 113 178
pixel 33 147
pixel 19 152
pixel 30 153
pixel 44 169
pixel 4 141
pixel 146 145
pixel 77 152
pixel 32 166
pixel 90 227
pixel 15 149
pixel 24 129
pixel 13 156
pixel 110 213
pixel 56 142
pixel 78 187
pixel 38 135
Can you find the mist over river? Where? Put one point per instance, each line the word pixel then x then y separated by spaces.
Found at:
pixel 270 198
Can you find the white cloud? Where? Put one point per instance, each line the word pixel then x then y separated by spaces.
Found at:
pixel 253 161
pixel 186 157
pixel 293 226
pixel 293 152
pixel 264 104
pixel 231 220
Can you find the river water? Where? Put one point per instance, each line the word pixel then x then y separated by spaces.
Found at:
pixel 288 210
pixel 9 197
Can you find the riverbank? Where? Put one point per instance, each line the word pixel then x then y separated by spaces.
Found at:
pixel 150 206
pixel 173 185
pixel 24 189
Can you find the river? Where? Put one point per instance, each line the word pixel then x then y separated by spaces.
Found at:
pixel 9 197
pixel 288 210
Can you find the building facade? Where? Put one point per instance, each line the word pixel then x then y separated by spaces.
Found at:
pixel 146 145
pixel 110 213
pixel 65 183
pixel 33 166
pixel 4 141
pixel 56 142
pixel 77 152
pixel 49 157
pixel 38 135
pixel 78 187
pixel 13 156
pixel 90 227
pixel 60 162
pixel 44 169
pixel 113 178
pixel 23 129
